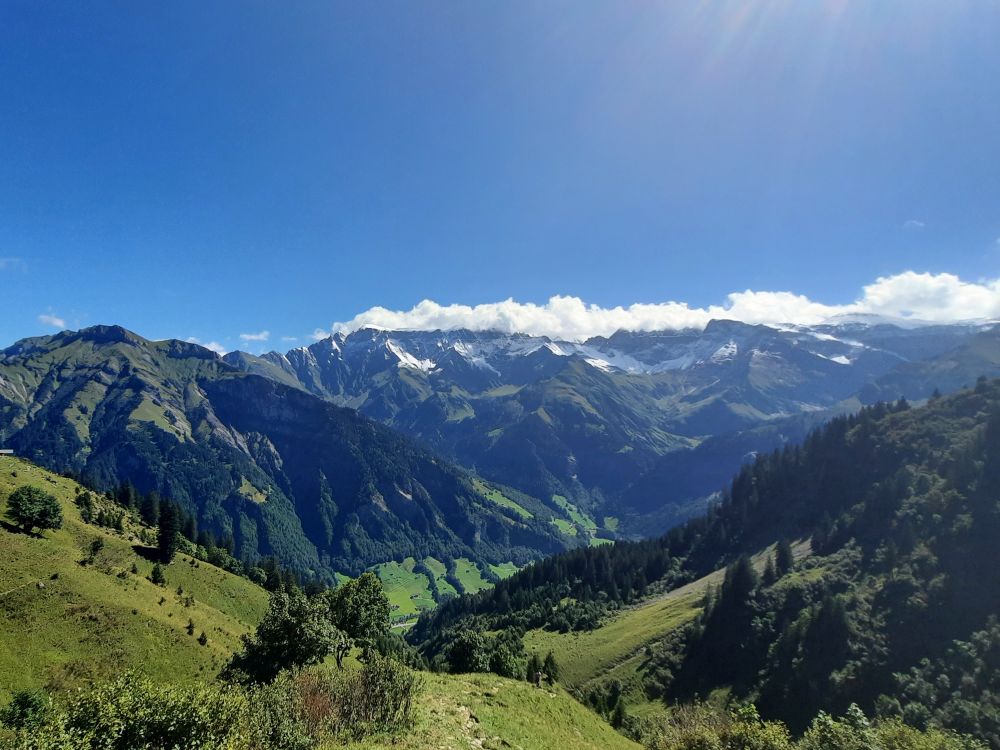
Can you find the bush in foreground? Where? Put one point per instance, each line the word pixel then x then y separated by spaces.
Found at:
pixel 294 712
pixel 702 727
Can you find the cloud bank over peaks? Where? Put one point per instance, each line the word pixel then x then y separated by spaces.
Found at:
pixel 912 296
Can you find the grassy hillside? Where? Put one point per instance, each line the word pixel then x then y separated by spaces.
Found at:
pixel 587 655
pixel 486 711
pixel 617 649
pixel 63 623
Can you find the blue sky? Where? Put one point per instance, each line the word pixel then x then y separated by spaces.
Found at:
pixel 211 169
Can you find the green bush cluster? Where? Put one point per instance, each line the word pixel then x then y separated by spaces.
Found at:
pixel 294 712
pixel 702 727
pixel 32 507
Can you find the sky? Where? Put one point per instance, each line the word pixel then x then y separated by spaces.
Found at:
pixel 248 173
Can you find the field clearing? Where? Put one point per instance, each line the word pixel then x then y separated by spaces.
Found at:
pixel 409 593
pixel 615 648
pixel 467 572
pixel 584 656
pixel 498 498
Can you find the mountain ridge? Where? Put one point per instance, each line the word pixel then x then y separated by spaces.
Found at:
pixel 588 420
pixel 174 417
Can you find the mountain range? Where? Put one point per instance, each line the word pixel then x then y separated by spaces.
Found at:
pixel 280 471
pixel 640 427
pixel 381 445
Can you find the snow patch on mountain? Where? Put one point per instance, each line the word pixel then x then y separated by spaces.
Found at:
pixel 408 360
pixel 724 353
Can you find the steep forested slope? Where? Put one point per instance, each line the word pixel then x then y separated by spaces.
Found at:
pixel 901 508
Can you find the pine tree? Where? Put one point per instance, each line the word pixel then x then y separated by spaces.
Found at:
pixel 168 534
pixel 150 509
pixel 551 668
pixel 619 716
pixel 534 667
pixel 783 559
pixel 157 576
pixel 770 572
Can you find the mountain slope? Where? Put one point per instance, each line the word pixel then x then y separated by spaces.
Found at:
pixel 63 623
pixel 473 710
pixel 900 508
pixel 600 422
pixel 275 469
pixel 90 622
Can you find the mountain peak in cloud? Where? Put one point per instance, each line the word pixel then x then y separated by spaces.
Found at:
pixel 910 297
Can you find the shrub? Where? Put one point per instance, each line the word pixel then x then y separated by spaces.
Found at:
pixel 30 507
pixel 469 652
pixel 276 719
pixel 855 732
pixel 26 709
pixel 133 713
pixel 893 734
pixel 701 727
pixel 157 576
pixel 376 699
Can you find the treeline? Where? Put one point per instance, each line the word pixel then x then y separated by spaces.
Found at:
pixel 566 592
pixel 168 528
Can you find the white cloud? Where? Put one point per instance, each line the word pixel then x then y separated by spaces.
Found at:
pixel 215 346
pixel 13 264
pixel 913 224
pixel 939 298
pixel 262 336
pixel 51 319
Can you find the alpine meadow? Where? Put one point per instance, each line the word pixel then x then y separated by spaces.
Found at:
pixel 444 376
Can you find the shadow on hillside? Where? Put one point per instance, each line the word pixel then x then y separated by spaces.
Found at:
pixel 147 553
pixel 18 530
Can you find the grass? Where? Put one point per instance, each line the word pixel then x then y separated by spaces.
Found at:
pixel 504 570
pixel 250 492
pixel 589 655
pixel 486 711
pixel 440 570
pixel 616 649
pixel 574 513
pixel 147 411
pixel 63 623
pixel 469 576
pixel 564 526
pixel 498 498
pixel 409 593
